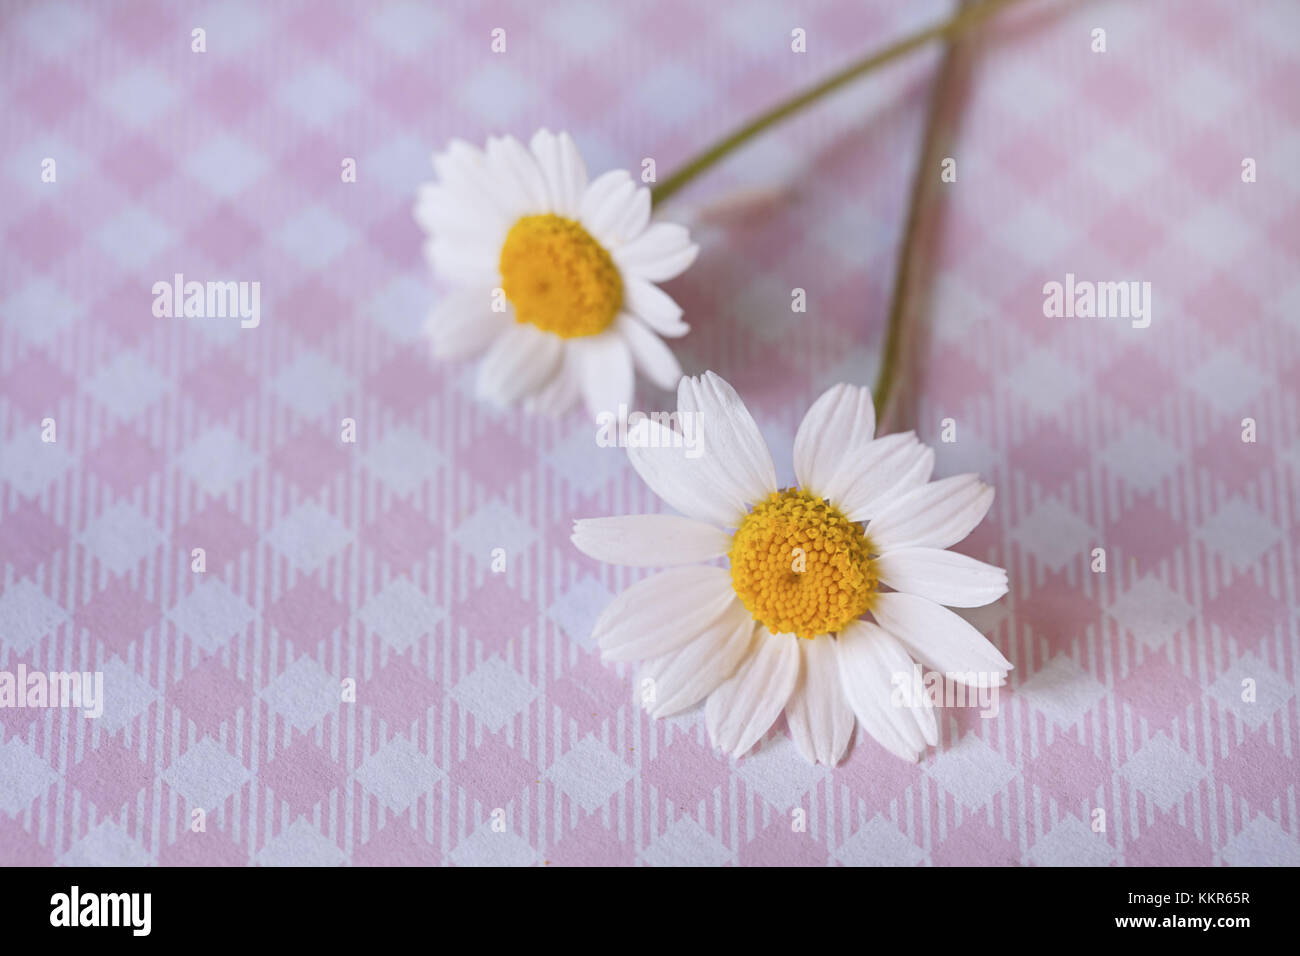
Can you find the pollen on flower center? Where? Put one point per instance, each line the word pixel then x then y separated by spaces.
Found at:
pixel 801 567
pixel 558 277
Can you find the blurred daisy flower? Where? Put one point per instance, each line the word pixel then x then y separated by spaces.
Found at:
pixel 554 276
pixel 785 627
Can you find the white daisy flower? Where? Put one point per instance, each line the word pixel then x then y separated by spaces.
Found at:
pixel 555 277
pixel 784 627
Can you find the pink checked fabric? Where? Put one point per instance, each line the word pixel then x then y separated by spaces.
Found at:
pixel 479 698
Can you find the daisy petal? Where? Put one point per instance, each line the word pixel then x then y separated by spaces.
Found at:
pixel 645 541
pixel 598 192
pixel 837 424
pixel 559 393
pixel 686 676
pixel 463 323
pixel 918 474
pixel 635 218
pixel 462 261
pixel 681 475
pixel 734 448
pixel 819 715
pixel 565 172
pixel 872 665
pixel 604 366
pixel 875 473
pixel 606 203
pixel 936 515
pixel 941 640
pixel 444 212
pixel 742 709
pixel 655 360
pixel 942 576
pixel 663 612
pixel 463 169
pixel 662 252
pixel 520 361
pixel 654 306
pixel 514 166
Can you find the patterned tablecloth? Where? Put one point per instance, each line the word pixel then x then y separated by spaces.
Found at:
pixel 479 695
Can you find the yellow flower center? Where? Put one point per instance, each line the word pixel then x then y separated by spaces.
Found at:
pixel 558 277
pixel 801 567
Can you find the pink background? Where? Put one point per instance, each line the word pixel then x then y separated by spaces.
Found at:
pixel 479 691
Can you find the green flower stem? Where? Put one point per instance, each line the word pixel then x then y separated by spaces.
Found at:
pixel 927 170
pixel 967 17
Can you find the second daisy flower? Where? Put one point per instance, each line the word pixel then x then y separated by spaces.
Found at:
pixel 554 277
pixel 784 628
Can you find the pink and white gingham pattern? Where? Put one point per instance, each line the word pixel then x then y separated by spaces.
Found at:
pixel 479 696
